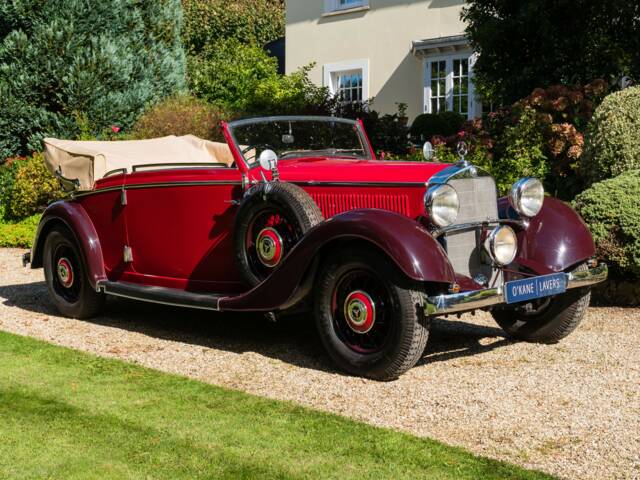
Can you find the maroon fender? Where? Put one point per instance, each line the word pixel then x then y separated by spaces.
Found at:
pixel 555 240
pixel 74 217
pixel 405 241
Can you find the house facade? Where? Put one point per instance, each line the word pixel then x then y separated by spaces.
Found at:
pixel 398 51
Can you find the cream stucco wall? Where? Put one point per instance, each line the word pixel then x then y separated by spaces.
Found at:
pixel 382 34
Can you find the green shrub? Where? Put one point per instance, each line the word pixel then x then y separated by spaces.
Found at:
pixel 388 133
pixel 292 94
pixel 509 144
pixel 610 209
pixel 427 125
pixel 181 115
pixel 27 187
pixel 19 234
pixel 227 73
pixel 106 60
pixel 613 143
pixel 249 21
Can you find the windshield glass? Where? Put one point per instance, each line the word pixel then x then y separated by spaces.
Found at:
pixel 299 137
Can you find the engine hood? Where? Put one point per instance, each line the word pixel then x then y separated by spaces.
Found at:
pixel 332 170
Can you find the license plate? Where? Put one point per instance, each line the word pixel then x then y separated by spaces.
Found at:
pixel 535 287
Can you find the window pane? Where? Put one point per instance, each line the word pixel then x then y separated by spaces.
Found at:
pixel 464 105
pixel 465 67
pixel 349 86
pixel 456 104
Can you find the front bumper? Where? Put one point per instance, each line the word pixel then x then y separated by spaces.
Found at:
pixel 476 299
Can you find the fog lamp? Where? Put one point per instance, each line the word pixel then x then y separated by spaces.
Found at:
pixel 502 245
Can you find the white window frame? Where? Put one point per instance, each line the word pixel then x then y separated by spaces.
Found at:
pixel 337 6
pixel 474 108
pixel 331 70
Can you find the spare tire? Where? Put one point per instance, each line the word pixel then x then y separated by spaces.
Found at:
pixel 272 219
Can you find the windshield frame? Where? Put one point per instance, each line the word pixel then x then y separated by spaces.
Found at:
pixel 362 135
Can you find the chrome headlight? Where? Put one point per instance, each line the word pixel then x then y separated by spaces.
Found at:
pixel 502 245
pixel 442 205
pixel 527 196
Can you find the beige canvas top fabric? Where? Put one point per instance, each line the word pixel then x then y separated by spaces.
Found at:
pixel 88 161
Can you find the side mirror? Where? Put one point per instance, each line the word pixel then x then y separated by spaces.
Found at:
pixel 268 159
pixel 428 151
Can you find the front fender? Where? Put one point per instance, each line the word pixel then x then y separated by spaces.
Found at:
pixel 406 242
pixel 556 239
pixel 71 215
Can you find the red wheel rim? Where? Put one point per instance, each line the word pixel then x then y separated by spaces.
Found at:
pixel 359 311
pixel 269 247
pixel 65 272
pixel 270 236
pixel 362 310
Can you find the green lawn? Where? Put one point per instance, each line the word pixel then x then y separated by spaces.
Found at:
pixel 66 414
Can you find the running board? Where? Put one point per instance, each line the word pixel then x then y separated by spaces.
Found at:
pixel 162 295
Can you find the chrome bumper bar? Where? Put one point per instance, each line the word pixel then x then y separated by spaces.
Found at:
pixel 467 301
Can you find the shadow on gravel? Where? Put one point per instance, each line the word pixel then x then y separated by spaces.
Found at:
pixel 292 339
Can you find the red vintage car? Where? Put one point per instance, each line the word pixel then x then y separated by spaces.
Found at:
pixel 297 214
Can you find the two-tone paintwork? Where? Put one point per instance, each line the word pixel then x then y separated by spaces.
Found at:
pixel 179 224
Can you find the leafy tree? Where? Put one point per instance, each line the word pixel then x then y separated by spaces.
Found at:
pixel 526 44
pixel 248 21
pixel 61 60
pixel 227 73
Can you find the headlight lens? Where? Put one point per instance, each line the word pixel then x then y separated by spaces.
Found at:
pixel 442 205
pixel 527 197
pixel 502 245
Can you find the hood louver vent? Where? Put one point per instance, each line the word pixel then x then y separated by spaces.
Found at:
pixel 334 203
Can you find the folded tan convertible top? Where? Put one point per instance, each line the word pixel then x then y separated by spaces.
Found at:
pixel 88 161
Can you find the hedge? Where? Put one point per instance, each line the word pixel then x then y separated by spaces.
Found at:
pixel 610 209
pixel 613 143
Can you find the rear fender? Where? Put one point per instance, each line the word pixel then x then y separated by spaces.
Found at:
pixel 72 216
pixel 555 240
pixel 406 242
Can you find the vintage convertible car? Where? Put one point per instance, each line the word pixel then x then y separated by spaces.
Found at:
pixel 295 214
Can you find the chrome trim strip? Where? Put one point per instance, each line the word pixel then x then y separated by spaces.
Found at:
pixel 467 301
pixel 177 165
pixel 101 287
pixel 473 225
pixel 196 183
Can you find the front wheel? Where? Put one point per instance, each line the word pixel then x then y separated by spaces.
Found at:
pixel 369 315
pixel 66 277
pixel 549 320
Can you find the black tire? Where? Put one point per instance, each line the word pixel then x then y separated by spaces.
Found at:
pixel 76 298
pixel 402 328
pixel 552 320
pixel 282 207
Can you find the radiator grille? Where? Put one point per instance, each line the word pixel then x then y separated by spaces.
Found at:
pixel 334 203
pixel 478 202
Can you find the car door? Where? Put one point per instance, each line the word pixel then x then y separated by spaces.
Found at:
pixel 179 226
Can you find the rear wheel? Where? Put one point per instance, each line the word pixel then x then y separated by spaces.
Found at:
pixel 547 320
pixel 66 277
pixel 369 315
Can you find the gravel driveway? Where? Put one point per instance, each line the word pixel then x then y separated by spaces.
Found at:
pixel 571 409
